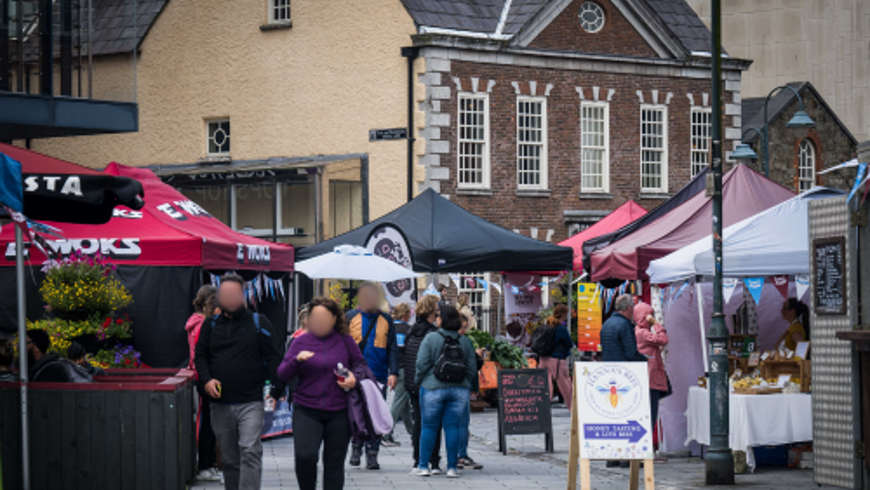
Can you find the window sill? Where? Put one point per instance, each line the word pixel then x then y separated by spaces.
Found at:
pixel 654 195
pixel 211 159
pixel 596 195
pixel 533 192
pixel 274 26
pixel 473 192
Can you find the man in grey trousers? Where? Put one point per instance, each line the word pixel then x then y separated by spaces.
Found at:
pixel 235 355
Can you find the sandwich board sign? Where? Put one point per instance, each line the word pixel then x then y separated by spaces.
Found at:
pixel 610 420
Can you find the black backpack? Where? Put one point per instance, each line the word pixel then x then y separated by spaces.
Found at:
pixel 450 366
pixel 544 341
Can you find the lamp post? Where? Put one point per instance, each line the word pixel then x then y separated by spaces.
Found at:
pixel 800 120
pixel 719 462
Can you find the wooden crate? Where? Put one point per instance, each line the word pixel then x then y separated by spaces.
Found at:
pixel 799 369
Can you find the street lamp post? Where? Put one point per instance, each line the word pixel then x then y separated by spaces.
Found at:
pixel 800 120
pixel 719 462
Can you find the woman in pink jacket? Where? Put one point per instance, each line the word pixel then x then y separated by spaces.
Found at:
pixel 651 339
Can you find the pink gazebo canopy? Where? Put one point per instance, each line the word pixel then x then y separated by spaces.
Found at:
pixel 620 217
pixel 744 194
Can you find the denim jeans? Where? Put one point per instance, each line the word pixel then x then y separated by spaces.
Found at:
pixel 237 428
pixel 463 433
pixel 448 407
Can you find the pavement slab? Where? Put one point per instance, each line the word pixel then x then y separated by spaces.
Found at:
pixel 527 465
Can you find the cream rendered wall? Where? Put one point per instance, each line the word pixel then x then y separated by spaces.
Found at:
pixel 822 41
pixel 316 88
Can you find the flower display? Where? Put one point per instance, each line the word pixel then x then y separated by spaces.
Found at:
pixel 122 356
pixel 82 283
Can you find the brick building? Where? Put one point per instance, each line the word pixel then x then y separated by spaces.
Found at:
pixel 798 155
pixel 550 114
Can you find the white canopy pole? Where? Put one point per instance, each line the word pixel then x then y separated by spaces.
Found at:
pixel 700 296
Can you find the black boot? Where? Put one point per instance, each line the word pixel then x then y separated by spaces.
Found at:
pixel 355 455
pixel 372 461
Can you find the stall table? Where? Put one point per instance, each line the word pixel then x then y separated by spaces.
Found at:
pixel 755 420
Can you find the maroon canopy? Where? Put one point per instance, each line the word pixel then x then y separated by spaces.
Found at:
pixel 744 194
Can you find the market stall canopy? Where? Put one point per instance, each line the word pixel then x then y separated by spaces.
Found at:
pixel 620 217
pixel 443 237
pixel 55 190
pixel 353 262
pixel 170 230
pixel 772 242
pixel 696 185
pixel 744 193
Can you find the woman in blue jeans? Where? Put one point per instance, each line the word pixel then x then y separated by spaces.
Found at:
pixel 446 367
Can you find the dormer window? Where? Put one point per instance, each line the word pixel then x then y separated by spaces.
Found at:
pixel 591 17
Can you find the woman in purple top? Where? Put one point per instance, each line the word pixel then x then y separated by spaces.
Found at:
pixel 320 403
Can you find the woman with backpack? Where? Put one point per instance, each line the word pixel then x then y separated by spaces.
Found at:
pixel 446 367
pixel 552 342
pixel 428 318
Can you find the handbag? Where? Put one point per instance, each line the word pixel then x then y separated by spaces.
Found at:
pixel 670 391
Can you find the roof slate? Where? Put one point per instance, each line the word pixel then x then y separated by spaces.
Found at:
pixel 483 16
pixel 113 31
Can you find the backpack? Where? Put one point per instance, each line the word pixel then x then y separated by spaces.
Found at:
pixel 450 366
pixel 544 340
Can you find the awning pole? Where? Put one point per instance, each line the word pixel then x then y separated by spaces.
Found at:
pixel 701 322
pixel 22 355
pixel 570 302
pixel 501 303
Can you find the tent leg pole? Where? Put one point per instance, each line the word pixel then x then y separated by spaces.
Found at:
pixel 501 302
pixel 570 300
pixel 698 294
pixel 22 355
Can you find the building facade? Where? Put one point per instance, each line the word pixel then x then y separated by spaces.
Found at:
pixel 797 156
pixel 821 42
pixel 586 105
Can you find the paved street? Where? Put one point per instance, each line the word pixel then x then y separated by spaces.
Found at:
pixel 526 466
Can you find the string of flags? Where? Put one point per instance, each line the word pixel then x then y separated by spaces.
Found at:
pixel 261 286
pixel 473 282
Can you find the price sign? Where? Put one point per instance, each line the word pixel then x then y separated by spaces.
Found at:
pixel 524 405
pixel 829 281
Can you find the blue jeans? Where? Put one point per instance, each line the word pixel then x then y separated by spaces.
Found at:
pixel 447 407
pixel 463 434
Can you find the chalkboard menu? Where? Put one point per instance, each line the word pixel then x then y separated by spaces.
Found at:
pixel 524 405
pixel 829 283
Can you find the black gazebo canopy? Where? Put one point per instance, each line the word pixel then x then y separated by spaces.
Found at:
pixel 444 237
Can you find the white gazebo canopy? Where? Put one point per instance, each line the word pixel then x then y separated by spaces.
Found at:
pixel 772 242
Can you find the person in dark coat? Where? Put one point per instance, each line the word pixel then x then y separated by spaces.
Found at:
pixel 428 316
pixel 619 342
pixel 45 366
pixel 7 358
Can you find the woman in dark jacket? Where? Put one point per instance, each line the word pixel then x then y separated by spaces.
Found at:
pixel 320 402
pixel 427 319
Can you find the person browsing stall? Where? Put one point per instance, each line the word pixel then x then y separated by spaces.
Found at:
pixel 320 401
pixel 556 363
pixel 401 407
pixel 651 339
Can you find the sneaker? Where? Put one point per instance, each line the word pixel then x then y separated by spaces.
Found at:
pixel 388 441
pixel 451 473
pixel 355 456
pixel 420 472
pixel 211 474
pixel 469 464
pixel 434 470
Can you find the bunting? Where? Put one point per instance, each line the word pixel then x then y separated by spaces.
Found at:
pixel 802 284
pixel 754 285
pixel 729 285
pixel 781 283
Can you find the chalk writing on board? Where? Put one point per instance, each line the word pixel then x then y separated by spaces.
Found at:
pixel 829 256
pixel 525 401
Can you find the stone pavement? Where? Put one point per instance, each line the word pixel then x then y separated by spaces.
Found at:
pixel 526 466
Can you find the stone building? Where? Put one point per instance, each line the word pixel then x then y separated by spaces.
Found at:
pixel 798 155
pixel 824 42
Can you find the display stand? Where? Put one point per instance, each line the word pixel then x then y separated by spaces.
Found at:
pixel 632 430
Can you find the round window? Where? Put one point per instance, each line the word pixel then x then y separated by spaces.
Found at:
pixel 591 17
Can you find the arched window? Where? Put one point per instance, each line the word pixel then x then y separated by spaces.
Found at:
pixel 806 166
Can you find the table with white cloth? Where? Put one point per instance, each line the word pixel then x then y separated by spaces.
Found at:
pixel 756 420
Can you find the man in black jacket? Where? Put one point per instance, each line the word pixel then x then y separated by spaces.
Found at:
pixel 235 355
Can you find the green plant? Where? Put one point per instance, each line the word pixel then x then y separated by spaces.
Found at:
pixel 508 356
pixel 82 283
pixel 480 339
pixel 122 356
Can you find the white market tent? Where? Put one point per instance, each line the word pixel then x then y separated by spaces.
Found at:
pixel 772 242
